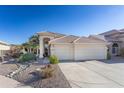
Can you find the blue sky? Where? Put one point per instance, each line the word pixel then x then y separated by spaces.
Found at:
pixel 18 23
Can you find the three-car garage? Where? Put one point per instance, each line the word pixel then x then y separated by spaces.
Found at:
pixel 79 49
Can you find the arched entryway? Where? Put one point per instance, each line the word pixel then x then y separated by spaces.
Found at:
pixel 115 49
pixel 46 46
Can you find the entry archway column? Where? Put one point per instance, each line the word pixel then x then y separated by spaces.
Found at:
pixel 41 47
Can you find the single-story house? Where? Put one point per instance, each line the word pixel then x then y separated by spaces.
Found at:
pixel 70 47
pixel 4 47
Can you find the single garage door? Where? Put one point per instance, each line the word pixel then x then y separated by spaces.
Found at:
pixel 90 51
pixel 63 52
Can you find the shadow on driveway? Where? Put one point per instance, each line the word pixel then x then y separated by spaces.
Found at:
pixel 114 60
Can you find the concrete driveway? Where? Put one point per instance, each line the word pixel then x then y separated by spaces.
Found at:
pixel 94 74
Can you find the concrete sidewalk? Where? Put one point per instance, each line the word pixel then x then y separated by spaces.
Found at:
pixel 93 74
pixel 6 82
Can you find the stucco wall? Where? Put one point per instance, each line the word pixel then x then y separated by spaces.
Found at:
pixel 121 39
pixel 122 42
pixel 3 49
pixel 122 45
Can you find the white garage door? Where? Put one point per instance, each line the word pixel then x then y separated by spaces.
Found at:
pixel 63 52
pixel 90 51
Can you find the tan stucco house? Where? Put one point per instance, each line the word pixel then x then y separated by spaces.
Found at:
pixel 70 47
pixel 4 47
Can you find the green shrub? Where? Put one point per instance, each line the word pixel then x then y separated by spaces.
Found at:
pixel 108 56
pixel 53 59
pixel 27 57
pixel 122 52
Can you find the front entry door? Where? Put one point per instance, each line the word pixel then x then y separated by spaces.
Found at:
pixel 115 49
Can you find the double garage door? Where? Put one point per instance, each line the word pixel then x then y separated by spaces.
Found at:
pixel 79 52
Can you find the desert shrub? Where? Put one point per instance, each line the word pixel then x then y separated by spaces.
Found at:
pixel 48 71
pixel 53 59
pixel 27 57
pixel 122 52
pixel 45 72
pixel 108 56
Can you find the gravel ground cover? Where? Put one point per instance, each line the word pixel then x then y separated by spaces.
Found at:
pixel 58 80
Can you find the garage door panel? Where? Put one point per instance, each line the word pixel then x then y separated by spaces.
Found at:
pixel 90 52
pixel 64 52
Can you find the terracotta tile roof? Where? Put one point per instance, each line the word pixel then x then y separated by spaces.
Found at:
pixel 114 31
pixel 65 39
pixel 89 40
pixel 47 33
pixel 101 37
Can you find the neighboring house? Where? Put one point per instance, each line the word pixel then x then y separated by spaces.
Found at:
pixel 115 38
pixel 72 47
pixel 4 47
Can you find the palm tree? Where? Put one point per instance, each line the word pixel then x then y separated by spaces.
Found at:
pixel 34 40
pixel 32 44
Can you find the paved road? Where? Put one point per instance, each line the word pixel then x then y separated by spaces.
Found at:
pixel 94 74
